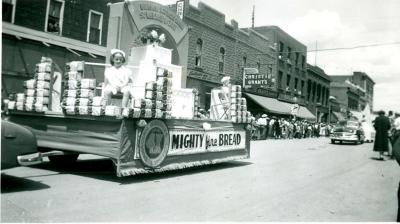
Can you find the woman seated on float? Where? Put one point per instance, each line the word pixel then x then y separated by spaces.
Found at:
pixel 116 78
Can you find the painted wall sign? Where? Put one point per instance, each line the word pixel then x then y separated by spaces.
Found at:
pixel 252 78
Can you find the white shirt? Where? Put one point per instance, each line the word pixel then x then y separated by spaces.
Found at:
pixel 397 123
pixel 262 121
pixel 117 77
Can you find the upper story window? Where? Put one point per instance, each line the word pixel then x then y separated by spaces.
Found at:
pixel 8 10
pixel 199 48
pixel 258 65
pixel 95 24
pixel 288 77
pixel 289 52
pixel 296 60
pixel 303 61
pixel 221 60
pixel 281 47
pixel 54 16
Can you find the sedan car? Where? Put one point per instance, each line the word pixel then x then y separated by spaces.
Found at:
pixel 16 140
pixel 349 131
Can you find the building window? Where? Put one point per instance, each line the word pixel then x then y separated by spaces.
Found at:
pixel 258 65
pixel 303 61
pixel 288 82
pixel 280 76
pixel 302 87
pixel 54 16
pixel 8 10
pixel 296 60
pixel 281 48
pixel 221 60
pixel 199 48
pixel 289 52
pixel 295 84
pixel 95 24
pixel 244 61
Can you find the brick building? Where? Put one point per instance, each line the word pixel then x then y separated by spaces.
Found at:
pixel 60 29
pixel 217 49
pixel 290 64
pixel 360 89
pixel 317 92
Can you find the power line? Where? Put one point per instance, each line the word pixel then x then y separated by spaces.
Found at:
pixel 326 49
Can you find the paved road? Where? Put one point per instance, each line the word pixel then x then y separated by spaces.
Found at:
pixel 285 180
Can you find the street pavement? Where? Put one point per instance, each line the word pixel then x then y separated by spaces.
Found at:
pixel 284 180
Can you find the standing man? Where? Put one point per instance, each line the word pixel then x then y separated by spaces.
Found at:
pixel 382 126
pixel 262 123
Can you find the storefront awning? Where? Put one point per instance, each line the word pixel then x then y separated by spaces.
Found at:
pixel 278 107
pixel 270 104
pixel 305 113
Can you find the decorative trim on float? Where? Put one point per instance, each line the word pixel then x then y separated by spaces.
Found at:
pixel 176 166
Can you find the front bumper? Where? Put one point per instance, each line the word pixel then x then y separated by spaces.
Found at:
pixel 345 138
pixel 36 158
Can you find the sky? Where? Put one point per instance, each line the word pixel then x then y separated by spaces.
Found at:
pixel 334 24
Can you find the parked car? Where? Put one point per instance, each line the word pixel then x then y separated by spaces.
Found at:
pixel 16 140
pixel 348 131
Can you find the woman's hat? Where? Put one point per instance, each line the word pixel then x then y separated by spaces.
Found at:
pixel 115 51
pixel 264 115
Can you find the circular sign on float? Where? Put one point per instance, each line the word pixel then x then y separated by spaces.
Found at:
pixel 154 143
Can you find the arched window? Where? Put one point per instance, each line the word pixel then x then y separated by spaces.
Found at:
pixel 221 60
pixel 199 48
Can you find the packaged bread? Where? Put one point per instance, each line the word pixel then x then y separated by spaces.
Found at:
pixel 40 107
pixel 30 99
pixel 98 101
pixel 136 112
pixel 42 76
pixel 147 113
pixel 88 83
pixel 28 106
pixel 75 66
pixel 152 86
pixel 43 67
pixel 42 100
pixel 84 102
pixel 30 92
pixel 86 93
pixel 72 84
pixel 20 97
pixel 97 111
pixel 70 110
pixel 73 75
pixel 69 101
pixel 19 105
pixel 30 84
pixel 42 92
pixel 126 112
pixel 42 85
pixel 84 110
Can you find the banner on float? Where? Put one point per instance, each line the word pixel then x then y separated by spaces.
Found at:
pixel 184 142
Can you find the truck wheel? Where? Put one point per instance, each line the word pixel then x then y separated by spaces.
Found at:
pixel 64 159
pixel 332 141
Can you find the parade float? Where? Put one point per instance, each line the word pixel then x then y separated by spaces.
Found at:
pixel 161 129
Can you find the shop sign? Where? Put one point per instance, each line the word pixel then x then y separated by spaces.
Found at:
pixel 179 8
pixel 252 78
pixel 183 142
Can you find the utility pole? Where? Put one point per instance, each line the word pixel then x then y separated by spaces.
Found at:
pixel 252 18
pixel 316 50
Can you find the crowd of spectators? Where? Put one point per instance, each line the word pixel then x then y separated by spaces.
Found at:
pixel 271 127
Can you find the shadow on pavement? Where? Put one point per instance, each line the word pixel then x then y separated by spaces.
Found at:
pixel 104 169
pixel 11 184
pixel 378 159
